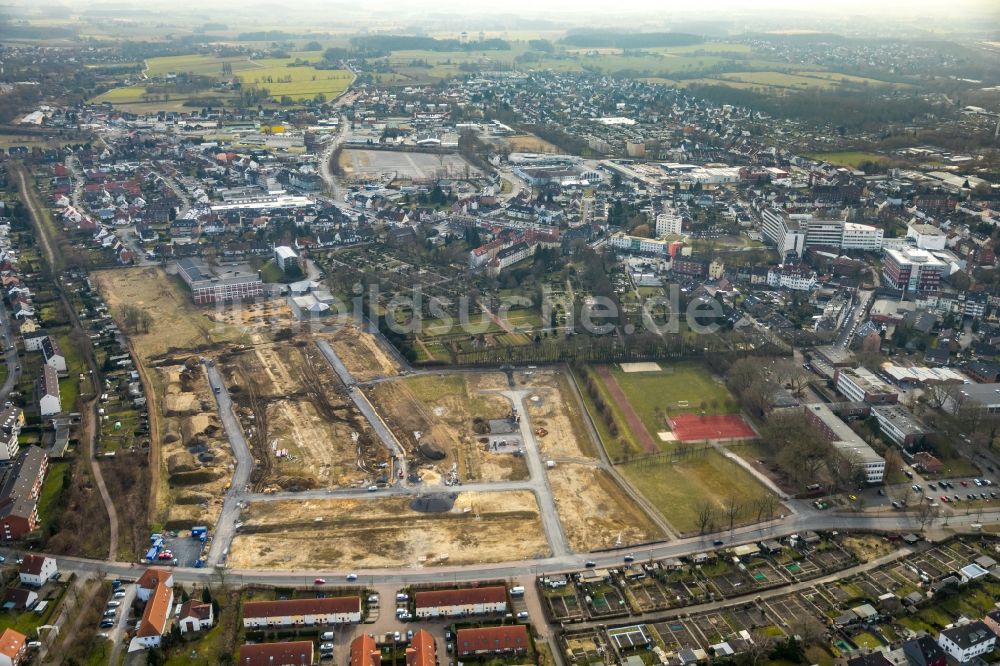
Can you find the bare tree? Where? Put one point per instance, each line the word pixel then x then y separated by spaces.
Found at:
pixel 732 511
pixel 706 517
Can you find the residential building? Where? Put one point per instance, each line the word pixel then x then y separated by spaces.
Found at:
pixel 638 245
pixel 19 598
pixel 668 224
pixel 854 450
pixel 898 424
pixel 11 420
pixel 862 385
pixel 155 616
pixel 195 616
pixel 292 653
pixel 365 652
pixel 53 354
pixel 968 641
pixel 912 269
pixel 13 646
pixel 19 489
pixel 791 277
pixel 716 269
pixel 150 579
pixel 33 340
pixel 422 650
pixel 927 462
pixel 462 602
pixel 923 651
pixel 992 621
pixel 508 640
pixel 207 288
pixel 36 570
pixel 301 612
pixel 49 400
pixel 285 257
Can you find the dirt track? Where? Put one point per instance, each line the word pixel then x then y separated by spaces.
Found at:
pixel 635 423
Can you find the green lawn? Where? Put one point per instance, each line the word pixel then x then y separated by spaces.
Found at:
pixel 48 500
pixel 297 82
pixel 679 490
pixel 205 650
pixel 649 391
pixel 849 158
pixel 205 65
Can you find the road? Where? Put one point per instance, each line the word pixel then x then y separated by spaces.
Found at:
pixel 225 529
pixel 9 355
pixel 539 479
pixel 360 400
pixel 855 315
pixel 92 422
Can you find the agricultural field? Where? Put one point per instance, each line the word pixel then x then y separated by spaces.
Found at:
pixel 302 82
pixel 445 410
pixel 470 528
pixel 299 420
pixel 681 489
pixel 203 65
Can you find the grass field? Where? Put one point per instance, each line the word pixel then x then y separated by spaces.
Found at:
pixel 297 82
pixel 850 158
pixel 649 391
pixel 205 65
pixel 678 490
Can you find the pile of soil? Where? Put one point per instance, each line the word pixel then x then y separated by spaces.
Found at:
pixel 439 503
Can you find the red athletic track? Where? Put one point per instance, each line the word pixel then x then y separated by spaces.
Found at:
pixel 693 427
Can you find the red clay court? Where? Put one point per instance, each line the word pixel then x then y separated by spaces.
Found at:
pixel 693 427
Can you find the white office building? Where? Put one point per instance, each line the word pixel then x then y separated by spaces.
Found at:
pixel 668 224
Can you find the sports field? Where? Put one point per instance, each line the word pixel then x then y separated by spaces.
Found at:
pixel 678 388
pixel 683 489
pixel 696 427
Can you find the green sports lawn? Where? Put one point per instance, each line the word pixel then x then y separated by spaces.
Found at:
pixel 647 391
pixel 678 490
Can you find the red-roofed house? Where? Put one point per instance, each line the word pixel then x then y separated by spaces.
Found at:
pixel 301 612
pixel 294 653
pixel 459 603
pixel 422 650
pixel 36 570
pixel 512 639
pixel 12 647
pixel 150 578
pixel 156 615
pixel 195 616
pixel 364 652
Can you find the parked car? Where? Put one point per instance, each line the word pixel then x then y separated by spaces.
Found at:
pixel 320 581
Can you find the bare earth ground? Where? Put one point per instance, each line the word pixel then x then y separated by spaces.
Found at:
pixel 387 533
pixel 177 323
pixel 529 143
pixel 360 353
pixel 552 407
pixel 595 512
pixel 194 489
pixel 288 391
pixel 442 408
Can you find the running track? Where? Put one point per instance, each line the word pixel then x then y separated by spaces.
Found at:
pixel 635 423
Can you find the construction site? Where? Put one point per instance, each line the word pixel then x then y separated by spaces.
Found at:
pixel 450 425
pixel 194 448
pixel 360 352
pixel 302 428
pixel 430 530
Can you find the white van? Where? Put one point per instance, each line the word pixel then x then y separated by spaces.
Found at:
pixel 326 636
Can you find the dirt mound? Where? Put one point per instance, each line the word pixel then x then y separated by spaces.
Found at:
pixel 194 478
pixel 181 404
pixel 441 503
pixel 180 462
pixel 295 483
pixel 194 426
pixel 192 498
pixel 431 451
pixel 170 437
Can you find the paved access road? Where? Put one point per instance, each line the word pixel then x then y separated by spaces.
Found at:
pixel 383 432
pixel 225 529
